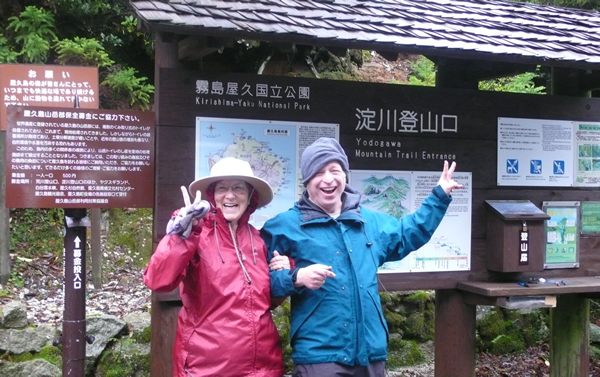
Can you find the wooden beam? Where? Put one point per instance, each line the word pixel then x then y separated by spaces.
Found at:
pixel 456 74
pixel 466 74
pixel 590 80
pixel 194 48
pixel 391 56
pixel 337 51
pixel 284 48
pixel 567 82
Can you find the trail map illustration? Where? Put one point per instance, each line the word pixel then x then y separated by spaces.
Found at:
pixel 399 194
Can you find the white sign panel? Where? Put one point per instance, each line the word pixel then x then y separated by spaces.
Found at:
pixel 587 154
pixel 535 152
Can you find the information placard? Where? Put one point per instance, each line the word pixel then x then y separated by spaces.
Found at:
pixel 47 85
pixel 562 235
pixel 79 158
pixel 399 193
pixel 590 218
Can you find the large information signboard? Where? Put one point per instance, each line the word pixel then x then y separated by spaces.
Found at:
pixel 79 158
pixel 47 85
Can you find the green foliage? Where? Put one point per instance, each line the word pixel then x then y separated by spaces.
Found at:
pixel 7 54
pixel 423 72
pixel 35 232
pixel 100 33
pixel 522 83
pixel 131 231
pixel 34 32
pixel 16 273
pixel 82 51
pixel 143 336
pixel 581 4
pixel 126 86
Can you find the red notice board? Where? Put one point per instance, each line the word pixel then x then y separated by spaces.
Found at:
pixel 47 85
pixel 79 158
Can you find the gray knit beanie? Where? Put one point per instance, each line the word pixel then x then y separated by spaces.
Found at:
pixel 320 153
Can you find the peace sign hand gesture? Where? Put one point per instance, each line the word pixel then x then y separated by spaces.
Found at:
pixel 446 182
pixel 188 216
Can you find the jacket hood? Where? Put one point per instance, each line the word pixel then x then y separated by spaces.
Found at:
pixel 310 211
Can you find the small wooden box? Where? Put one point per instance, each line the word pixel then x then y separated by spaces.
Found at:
pixel 515 236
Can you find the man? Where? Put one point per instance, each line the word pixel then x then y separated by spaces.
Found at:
pixel 337 326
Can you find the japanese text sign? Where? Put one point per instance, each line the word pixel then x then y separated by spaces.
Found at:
pixel 47 85
pixel 79 158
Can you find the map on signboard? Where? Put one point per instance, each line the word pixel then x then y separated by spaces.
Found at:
pixel 268 147
pixel 399 194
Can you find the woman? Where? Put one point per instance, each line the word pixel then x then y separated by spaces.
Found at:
pixel 219 262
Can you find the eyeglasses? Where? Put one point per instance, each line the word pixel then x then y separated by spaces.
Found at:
pixel 238 189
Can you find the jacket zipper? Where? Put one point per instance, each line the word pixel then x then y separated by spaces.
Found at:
pixel 239 255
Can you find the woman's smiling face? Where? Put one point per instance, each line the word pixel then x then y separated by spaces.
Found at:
pixel 232 197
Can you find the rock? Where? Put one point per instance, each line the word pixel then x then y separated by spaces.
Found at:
pixel 14 315
pixel 30 339
pixel 138 322
pixel 33 368
pixel 104 329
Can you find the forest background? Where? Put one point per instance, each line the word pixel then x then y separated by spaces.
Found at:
pixel 105 34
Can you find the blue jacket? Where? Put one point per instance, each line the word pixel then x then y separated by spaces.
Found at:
pixel 343 320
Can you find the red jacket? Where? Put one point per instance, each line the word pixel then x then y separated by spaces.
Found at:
pixel 225 328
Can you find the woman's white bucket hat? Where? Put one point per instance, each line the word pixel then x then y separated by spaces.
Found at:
pixel 233 168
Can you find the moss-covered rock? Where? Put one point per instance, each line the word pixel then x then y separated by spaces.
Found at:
pixel 506 344
pixel 410 315
pixel 125 358
pixel 51 354
pixel 402 353
pixel 511 331
pixel 281 317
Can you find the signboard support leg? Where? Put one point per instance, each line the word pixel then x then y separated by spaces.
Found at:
pixel 74 337
pixel 4 216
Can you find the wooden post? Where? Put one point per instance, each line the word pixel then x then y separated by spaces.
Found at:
pixel 454 335
pixel 569 339
pixel 569 320
pixel 4 216
pixel 164 314
pixel 96 248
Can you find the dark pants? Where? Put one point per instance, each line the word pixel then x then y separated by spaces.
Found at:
pixel 375 369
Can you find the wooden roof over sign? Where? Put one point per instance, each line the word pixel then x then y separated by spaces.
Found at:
pixel 487 30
